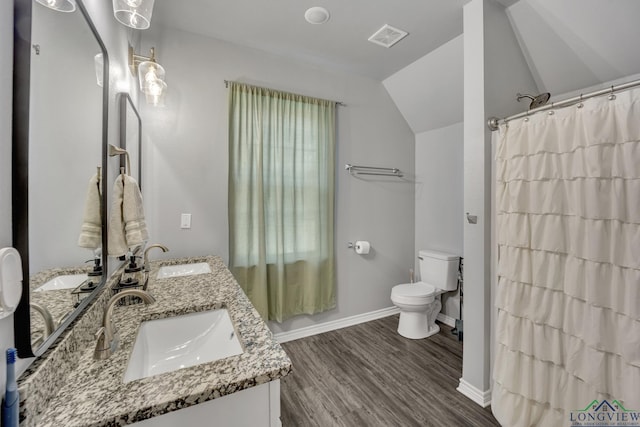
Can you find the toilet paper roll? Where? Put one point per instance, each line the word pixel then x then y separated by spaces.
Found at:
pixel 363 247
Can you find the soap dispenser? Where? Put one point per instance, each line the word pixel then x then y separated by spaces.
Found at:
pixel 94 277
pixel 10 281
pixel 132 278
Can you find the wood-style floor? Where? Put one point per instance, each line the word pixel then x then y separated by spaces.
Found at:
pixel 368 375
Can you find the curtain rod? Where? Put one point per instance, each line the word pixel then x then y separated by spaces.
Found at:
pixel 495 122
pixel 342 104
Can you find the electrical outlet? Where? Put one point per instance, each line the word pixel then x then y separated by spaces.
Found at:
pixel 185 220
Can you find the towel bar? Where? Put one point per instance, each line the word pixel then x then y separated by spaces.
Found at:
pixel 373 170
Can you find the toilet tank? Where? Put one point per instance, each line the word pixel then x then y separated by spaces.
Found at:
pixel 439 269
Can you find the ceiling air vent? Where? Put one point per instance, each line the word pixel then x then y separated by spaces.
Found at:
pixel 387 36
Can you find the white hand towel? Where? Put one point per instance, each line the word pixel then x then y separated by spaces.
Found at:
pixel 91 230
pixel 127 227
pixel 117 242
pixel 135 226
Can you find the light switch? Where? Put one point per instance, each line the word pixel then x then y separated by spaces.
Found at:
pixel 185 221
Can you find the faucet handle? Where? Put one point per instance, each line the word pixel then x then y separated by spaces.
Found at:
pixel 102 350
pixel 100 333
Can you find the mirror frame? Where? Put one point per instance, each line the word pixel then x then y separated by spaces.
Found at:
pixel 125 102
pixel 20 172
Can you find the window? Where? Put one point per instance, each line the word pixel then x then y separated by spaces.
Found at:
pixel 281 191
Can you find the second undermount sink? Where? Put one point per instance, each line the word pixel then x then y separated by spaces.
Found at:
pixel 183 270
pixel 173 343
pixel 65 281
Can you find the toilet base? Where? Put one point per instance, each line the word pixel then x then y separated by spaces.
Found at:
pixel 421 324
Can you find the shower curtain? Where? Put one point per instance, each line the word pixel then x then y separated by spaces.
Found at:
pixel 568 292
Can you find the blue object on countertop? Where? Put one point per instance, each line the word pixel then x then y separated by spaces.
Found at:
pixel 11 404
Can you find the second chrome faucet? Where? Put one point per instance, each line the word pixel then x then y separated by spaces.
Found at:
pixel 107 335
pixel 147 268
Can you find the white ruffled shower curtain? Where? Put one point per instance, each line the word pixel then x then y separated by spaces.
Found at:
pixel 568 293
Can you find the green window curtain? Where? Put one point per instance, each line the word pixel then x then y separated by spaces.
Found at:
pixel 281 200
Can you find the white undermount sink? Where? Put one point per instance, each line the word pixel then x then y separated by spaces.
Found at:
pixel 65 281
pixel 173 343
pixel 183 270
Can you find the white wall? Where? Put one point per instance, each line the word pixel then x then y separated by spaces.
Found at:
pixel 6 99
pixel 439 196
pixel 429 91
pixel 185 163
pixel 572 44
pixel 494 71
pixel 62 77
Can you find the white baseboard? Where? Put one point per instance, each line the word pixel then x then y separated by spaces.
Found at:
pixel 482 398
pixel 320 328
pixel 447 320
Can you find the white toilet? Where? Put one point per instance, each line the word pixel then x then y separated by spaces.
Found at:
pixel 419 303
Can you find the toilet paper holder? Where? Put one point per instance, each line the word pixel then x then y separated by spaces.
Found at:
pixel 355 246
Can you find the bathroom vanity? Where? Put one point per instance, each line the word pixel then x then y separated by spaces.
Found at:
pixel 67 386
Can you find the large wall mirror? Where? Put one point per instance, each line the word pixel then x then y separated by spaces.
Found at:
pixel 61 109
pixel 131 136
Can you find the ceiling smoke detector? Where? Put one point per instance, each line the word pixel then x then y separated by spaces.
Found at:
pixel 316 15
pixel 387 36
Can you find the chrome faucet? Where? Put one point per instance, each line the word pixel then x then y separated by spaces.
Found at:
pixel 107 335
pixel 146 254
pixel 49 323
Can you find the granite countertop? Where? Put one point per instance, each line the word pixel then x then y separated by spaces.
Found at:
pixel 59 303
pixel 94 394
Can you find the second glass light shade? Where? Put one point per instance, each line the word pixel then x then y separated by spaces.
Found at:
pixel 133 13
pixel 151 78
pixel 148 73
pixel 59 5
pixel 156 94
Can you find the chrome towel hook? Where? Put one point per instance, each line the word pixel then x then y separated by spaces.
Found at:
pixel 472 219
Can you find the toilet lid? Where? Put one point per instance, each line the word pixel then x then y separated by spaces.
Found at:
pixel 419 289
pixel 413 293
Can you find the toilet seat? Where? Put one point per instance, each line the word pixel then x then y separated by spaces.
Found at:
pixel 419 293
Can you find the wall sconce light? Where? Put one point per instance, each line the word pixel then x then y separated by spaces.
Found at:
pixel 150 76
pixel 59 5
pixel 132 13
pixel 156 93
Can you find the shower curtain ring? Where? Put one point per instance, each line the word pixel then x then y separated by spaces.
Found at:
pixel 526 119
pixel 580 104
pixel 612 96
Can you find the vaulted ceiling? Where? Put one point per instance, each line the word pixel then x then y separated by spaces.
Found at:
pixel 568 44
pixel 278 26
pixel 573 44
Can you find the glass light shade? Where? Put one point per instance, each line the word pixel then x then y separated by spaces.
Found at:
pixel 149 72
pixel 99 62
pixel 156 94
pixel 133 13
pixel 59 5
